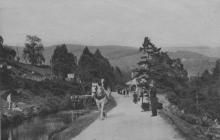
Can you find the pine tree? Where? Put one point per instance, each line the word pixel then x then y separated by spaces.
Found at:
pixel 216 70
pixel 158 66
pixel 93 67
pixel 63 62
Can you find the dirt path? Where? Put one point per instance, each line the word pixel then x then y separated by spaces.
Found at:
pixel 127 122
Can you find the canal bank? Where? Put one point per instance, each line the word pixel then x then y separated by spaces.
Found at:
pixel 53 126
pixel 82 122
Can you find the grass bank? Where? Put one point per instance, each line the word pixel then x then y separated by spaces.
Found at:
pixel 32 98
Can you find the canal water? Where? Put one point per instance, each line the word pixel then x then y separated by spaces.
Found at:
pixel 40 128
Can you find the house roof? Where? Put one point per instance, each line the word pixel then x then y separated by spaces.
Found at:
pixel 132 82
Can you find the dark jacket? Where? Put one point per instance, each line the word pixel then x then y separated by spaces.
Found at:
pixel 153 97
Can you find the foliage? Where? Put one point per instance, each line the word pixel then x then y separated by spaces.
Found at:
pixel 63 62
pixel 157 65
pixel 104 69
pixel 216 70
pixel 198 96
pixel 6 79
pixel 1 41
pixel 87 65
pixel 93 67
pixel 201 97
pixel 33 51
pixel 5 51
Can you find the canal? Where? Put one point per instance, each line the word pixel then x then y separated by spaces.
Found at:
pixel 41 127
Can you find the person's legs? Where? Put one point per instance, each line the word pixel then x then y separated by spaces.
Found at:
pixel 9 105
pixel 154 111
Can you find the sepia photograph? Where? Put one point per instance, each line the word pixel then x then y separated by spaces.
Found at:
pixel 110 69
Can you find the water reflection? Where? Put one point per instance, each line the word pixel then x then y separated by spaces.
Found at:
pixel 39 128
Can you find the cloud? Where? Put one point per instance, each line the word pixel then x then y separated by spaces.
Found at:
pixel 123 22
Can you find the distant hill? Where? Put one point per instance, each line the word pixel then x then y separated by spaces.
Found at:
pixel 195 59
pixel 195 63
pixel 111 51
pixel 205 50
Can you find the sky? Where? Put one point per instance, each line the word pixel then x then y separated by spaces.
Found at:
pixel 112 22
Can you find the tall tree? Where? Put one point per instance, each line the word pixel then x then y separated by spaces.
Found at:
pixel 104 68
pixel 216 70
pixel 63 62
pixel 1 41
pixel 157 65
pixel 1 46
pixel 33 51
pixel 96 66
pixel 87 65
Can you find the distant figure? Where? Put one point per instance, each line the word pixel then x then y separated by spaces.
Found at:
pixel 135 98
pixel 153 99
pixel 9 101
pixel 127 92
pixel 119 92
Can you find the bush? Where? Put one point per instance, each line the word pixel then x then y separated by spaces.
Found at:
pixel 173 98
pixel 59 92
pixel 192 119
pixel 53 103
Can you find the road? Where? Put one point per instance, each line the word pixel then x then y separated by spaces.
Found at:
pixel 127 122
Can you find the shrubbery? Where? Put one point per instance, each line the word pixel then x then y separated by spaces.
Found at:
pixel 198 96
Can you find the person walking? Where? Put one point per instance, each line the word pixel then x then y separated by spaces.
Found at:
pixel 153 99
pixel 135 98
pixel 9 101
pixel 127 92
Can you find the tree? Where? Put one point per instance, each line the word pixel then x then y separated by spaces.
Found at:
pixel 157 65
pixel 1 46
pixel 86 59
pixel 95 66
pixel 6 52
pixel 1 41
pixel 117 69
pixel 6 79
pixel 63 62
pixel 216 70
pixel 104 69
pixel 33 51
pixel 87 66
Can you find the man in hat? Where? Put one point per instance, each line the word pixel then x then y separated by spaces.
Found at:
pixel 153 99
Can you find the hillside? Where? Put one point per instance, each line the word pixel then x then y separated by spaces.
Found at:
pixel 195 63
pixel 111 51
pixel 195 59
pixel 205 50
